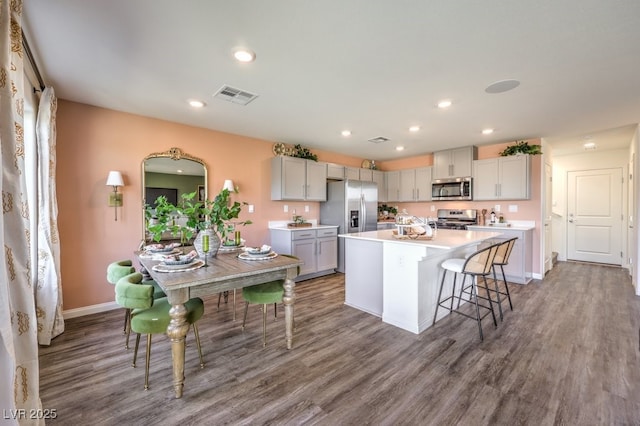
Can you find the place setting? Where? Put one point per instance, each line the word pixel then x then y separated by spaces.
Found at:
pixel 179 262
pixel 158 251
pixel 263 252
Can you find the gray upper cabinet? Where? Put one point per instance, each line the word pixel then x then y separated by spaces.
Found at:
pixel 298 179
pixel 415 184
pixel 502 178
pixel 335 171
pixel 452 163
pixel 393 186
pixel 380 179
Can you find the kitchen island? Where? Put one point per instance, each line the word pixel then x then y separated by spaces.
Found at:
pixel 399 279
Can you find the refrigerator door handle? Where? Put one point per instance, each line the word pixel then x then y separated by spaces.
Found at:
pixel 363 209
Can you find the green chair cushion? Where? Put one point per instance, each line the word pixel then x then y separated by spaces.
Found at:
pixel 270 292
pixel 156 319
pixel 131 294
pixel 157 291
pixel 117 270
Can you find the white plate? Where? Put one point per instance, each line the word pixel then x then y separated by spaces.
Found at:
pixel 178 268
pixel 245 256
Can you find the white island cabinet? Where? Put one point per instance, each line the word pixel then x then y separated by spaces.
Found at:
pixel 399 280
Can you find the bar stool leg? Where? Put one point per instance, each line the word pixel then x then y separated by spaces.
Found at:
pixel 495 284
pixel 444 274
pixel 474 296
pixel 506 286
pixel 486 288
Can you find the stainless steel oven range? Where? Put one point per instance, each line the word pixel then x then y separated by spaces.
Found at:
pixel 456 219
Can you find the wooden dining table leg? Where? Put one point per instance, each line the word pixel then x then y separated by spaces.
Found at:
pixel 177 332
pixel 288 300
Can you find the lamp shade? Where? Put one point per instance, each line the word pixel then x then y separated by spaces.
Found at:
pixel 115 179
pixel 228 184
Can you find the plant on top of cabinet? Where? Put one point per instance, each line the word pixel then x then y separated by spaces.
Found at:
pixel 521 147
pixel 296 151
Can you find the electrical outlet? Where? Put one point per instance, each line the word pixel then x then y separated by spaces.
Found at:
pixel 513 208
pixel 497 208
pixel 306 209
pixel 433 208
pixel 286 208
pixel 251 208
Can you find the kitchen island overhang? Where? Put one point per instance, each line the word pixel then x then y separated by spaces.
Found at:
pixel 399 279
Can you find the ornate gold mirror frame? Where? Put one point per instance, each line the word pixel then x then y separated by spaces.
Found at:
pixel 163 168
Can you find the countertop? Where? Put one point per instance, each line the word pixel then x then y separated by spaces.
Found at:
pixel 523 225
pixel 445 238
pixel 282 225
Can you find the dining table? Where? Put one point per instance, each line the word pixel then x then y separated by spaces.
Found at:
pixel 226 271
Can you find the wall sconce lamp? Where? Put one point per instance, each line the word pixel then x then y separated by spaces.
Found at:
pixel 228 184
pixel 115 199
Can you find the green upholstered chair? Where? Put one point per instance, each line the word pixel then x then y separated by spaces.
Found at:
pixel 264 294
pixel 151 316
pixel 117 270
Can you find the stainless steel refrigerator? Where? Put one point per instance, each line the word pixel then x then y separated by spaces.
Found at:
pixel 353 206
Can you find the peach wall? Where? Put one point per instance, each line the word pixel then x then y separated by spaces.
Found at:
pixel 91 141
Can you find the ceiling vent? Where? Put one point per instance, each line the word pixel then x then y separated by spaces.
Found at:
pixel 234 95
pixel 379 139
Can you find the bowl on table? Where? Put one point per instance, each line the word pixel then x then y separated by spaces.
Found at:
pixel 258 251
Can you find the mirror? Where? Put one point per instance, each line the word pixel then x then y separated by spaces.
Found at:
pixel 171 173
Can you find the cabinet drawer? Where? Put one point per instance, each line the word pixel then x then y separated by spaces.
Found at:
pixel 303 235
pixel 329 232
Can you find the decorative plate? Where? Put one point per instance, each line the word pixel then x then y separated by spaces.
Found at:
pixel 178 268
pixel 279 148
pixel 245 256
pixel 366 164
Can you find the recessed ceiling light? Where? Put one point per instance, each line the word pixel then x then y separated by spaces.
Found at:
pixel 400 148
pixel 487 131
pixel 414 128
pixel 346 133
pixel 244 55
pixel 502 86
pixel 444 104
pixel 589 145
pixel 179 171
pixel 196 103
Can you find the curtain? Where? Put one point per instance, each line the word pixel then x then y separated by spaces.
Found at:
pixel 18 326
pixel 49 287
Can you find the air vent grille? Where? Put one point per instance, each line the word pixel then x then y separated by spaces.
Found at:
pixel 379 139
pixel 237 96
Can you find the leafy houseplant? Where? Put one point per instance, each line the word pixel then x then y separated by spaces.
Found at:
pixel 521 147
pixel 161 218
pixel 220 212
pixel 301 152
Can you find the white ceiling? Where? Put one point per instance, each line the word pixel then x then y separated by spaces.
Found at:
pixel 372 66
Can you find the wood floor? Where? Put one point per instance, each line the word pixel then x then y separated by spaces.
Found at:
pixel 569 354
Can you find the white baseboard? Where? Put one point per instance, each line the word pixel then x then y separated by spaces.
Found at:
pixel 88 310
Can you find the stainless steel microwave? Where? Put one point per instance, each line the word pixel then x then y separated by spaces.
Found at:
pixel 452 189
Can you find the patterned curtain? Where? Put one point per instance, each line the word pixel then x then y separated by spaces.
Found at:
pixel 49 289
pixel 18 326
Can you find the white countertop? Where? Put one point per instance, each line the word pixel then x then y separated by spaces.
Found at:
pixel 522 225
pixel 282 225
pixel 444 239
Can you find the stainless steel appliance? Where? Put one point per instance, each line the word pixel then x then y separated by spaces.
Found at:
pixel 456 219
pixel 452 189
pixel 353 206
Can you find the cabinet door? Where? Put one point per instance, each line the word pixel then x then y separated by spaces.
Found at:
pixel 462 161
pixel 441 164
pixel 514 177
pixel 316 181
pixel 305 250
pixel 335 171
pixel 407 185
pixel 352 173
pixel 380 179
pixel 327 257
pixel 393 186
pixel 293 178
pixel 423 184
pixel 366 175
pixel 485 179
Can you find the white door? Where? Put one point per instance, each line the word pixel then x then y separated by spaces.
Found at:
pixel 594 227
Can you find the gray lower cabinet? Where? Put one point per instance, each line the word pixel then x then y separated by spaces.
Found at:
pixel 316 247
pixel 519 269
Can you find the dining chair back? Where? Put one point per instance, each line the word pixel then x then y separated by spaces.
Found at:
pixel 151 316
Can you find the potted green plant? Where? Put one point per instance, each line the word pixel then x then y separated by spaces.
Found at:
pixel 521 147
pixel 161 218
